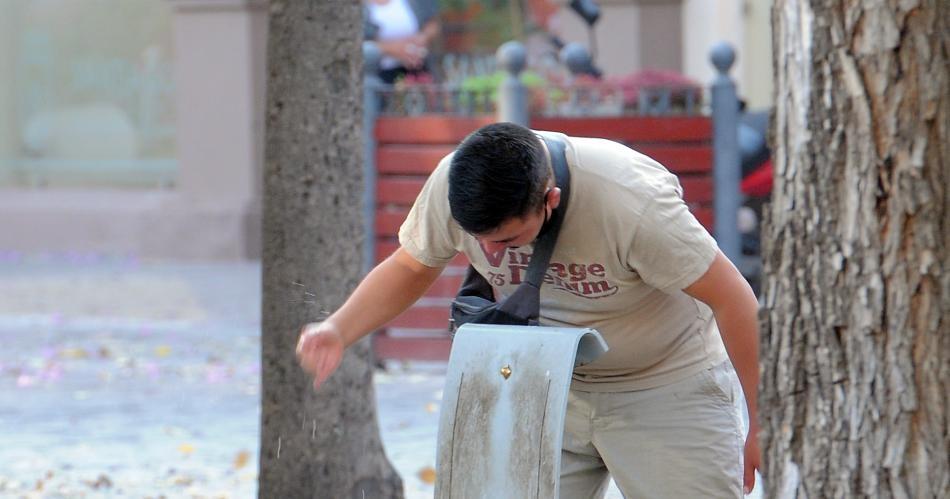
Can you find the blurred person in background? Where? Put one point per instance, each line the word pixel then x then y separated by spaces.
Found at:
pixel 404 30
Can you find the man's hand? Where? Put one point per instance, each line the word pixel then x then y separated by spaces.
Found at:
pixel 753 459
pixel 320 350
pixel 408 51
pixel 387 291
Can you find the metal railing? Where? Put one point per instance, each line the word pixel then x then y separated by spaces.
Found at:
pixel 561 87
pixel 512 99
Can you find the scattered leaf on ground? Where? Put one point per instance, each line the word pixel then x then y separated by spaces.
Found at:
pixel 427 475
pixel 183 480
pixel 163 351
pixel 74 353
pixel 103 482
pixel 432 407
pixel 186 448
pixel 241 459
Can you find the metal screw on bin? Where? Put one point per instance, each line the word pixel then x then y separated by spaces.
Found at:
pixel 512 94
pixel 371 109
pixel 726 165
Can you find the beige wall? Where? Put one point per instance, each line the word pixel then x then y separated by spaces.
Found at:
pixel 745 24
pixel 220 48
pixel 660 34
pixel 757 72
pixel 617 51
pixel 219 98
pixel 706 22
pixel 630 34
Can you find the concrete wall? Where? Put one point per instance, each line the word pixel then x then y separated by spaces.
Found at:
pixel 706 22
pixel 220 48
pixel 630 34
pixel 757 86
pixel 745 24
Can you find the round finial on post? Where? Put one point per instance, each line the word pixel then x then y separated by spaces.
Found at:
pixel 512 57
pixel 723 56
pixel 372 55
pixel 576 57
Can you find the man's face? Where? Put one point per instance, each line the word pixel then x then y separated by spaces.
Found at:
pixel 520 231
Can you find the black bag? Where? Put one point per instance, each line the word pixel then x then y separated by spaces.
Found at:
pixel 475 301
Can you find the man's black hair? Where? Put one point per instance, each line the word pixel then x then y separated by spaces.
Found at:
pixel 499 172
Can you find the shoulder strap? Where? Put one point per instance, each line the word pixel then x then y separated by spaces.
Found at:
pixel 545 245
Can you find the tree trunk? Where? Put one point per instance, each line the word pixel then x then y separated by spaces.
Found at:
pixel 856 333
pixel 315 444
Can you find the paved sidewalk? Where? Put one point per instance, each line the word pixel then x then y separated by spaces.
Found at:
pixel 119 379
pixel 127 379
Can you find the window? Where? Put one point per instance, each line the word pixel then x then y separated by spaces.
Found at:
pixel 91 101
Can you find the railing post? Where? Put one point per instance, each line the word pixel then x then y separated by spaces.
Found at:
pixel 726 166
pixel 371 110
pixel 577 60
pixel 512 94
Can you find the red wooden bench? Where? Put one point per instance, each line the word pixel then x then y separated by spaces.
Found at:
pixel 408 149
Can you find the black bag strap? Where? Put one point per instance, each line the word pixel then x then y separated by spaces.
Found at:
pixel 544 247
pixel 525 301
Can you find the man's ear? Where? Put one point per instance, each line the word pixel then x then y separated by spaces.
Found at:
pixel 554 198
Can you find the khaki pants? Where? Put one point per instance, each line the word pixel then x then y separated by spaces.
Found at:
pixel 680 441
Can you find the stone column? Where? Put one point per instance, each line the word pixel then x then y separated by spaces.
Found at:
pixel 220 51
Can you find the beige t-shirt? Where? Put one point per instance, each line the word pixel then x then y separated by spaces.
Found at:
pixel 627 247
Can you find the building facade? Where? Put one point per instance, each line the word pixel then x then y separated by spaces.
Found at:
pixel 135 127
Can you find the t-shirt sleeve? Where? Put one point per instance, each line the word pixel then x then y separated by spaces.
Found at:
pixel 670 248
pixel 429 234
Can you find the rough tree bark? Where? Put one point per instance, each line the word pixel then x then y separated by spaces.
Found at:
pixel 856 328
pixel 315 444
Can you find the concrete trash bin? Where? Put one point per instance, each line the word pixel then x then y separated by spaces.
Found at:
pixel 503 409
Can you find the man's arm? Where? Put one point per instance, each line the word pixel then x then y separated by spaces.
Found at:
pixel 388 290
pixel 735 307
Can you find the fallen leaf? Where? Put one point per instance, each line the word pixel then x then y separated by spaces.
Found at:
pixel 186 448
pixel 183 480
pixel 163 351
pixel 241 459
pixel 432 407
pixel 427 475
pixel 74 353
pixel 103 482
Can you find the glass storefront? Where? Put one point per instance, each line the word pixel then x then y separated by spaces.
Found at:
pixel 86 96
